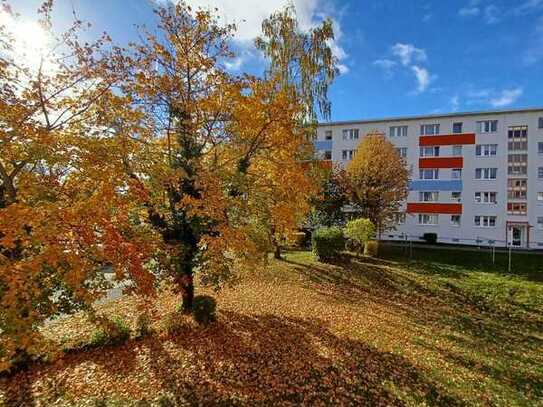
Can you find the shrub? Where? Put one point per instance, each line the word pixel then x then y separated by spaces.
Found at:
pixel 360 231
pixel 112 332
pixel 371 248
pixel 327 243
pixel 173 323
pixel 430 238
pixel 143 326
pixel 203 309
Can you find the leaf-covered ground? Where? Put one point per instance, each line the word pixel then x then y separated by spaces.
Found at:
pixel 366 332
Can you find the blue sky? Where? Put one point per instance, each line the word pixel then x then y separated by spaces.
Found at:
pixel 398 57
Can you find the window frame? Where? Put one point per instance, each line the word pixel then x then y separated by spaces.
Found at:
pixel 487 126
pixel 456 224
pixel 428 216
pixel 461 127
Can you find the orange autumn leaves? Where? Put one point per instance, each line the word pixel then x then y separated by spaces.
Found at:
pixel 84 158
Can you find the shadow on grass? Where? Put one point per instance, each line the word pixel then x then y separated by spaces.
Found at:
pixel 438 303
pixel 256 360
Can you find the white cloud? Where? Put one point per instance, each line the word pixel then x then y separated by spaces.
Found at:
pixel 386 65
pixel 234 65
pixel 506 97
pixel 528 6
pixel 492 14
pixel 410 57
pixel 535 52
pixel 469 11
pixel 249 14
pixel 455 103
pixel 423 78
pixel 408 52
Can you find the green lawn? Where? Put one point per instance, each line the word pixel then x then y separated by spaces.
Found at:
pixel 363 332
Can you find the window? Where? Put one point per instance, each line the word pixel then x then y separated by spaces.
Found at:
pixel 540 172
pixel 517 164
pixel 516 194
pixel 399 218
pixel 350 134
pixel 540 148
pixel 485 197
pixel 429 129
pixel 455 220
pixel 516 188
pixel 540 196
pixel 328 135
pixel 457 151
pixel 540 123
pixel 344 154
pixel 517 208
pixel 426 219
pixel 429 151
pixel 540 222
pixel 518 138
pixel 348 154
pixel 485 221
pixel 457 127
pixel 402 151
pixel 429 174
pixel 456 196
pixel 486 173
pixel 487 126
pixel 486 150
pixel 327 155
pixel 456 173
pixel 428 196
pixel 398 131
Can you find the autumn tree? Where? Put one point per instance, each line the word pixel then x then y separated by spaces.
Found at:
pixel 302 60
pixel 377 180
pixel 65 211
pixel 304 67
pixel 228 149
pixel 327 206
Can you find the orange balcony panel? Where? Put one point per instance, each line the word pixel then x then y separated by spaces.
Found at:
pixel 447 139
pixel 432 207
pixel 441 162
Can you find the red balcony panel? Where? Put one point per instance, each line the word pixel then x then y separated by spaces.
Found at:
pixel 447 139
pixel 432 207
pixel 441 162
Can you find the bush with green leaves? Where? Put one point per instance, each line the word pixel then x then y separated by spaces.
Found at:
pixel 112 332
pixel 203 309
pixel 360 231
pixel 328 243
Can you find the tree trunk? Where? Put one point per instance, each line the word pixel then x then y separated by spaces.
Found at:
pixel 186 277
pixel 277 252
pixel 188 292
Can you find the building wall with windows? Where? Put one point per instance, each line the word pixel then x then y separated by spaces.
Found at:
pixel 476 178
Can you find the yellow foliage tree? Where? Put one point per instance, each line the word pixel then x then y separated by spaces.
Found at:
pixel 377 180
pixel 65 209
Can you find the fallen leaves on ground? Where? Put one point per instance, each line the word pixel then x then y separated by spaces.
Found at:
pixel 297 333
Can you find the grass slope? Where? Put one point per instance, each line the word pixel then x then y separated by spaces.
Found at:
pixel 364 332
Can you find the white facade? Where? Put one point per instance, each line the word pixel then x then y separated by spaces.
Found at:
pixel 493 159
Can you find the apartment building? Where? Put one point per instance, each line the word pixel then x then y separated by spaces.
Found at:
pixel 476 178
